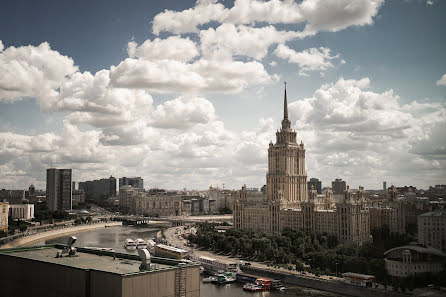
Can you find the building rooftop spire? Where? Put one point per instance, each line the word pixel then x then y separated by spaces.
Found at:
pixel 285 106
pixel 286 124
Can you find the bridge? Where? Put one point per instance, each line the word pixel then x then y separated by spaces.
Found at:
pixel 169 221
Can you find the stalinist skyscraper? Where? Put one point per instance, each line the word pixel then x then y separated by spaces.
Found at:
pixel 286 178
pixel 289 204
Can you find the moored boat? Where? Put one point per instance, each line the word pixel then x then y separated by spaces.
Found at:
pixel 129 244
pixel 210 279
pixel 223 279
pixel 140 243
pixel 253 288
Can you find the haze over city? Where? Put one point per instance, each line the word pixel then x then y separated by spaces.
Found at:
pixel 189 94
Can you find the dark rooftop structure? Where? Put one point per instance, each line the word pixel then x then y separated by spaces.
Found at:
pixel 93 272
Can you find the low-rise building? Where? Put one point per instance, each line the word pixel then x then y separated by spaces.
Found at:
pixel 432 229
pixel 12 196
pixel 21 211
pixel 4 210
pixel 410 260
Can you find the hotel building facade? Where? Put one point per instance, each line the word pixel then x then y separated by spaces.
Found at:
pixel 289 204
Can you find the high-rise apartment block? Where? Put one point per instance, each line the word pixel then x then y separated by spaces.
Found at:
pixel 135 182
pixel 338 186
pixel 21 211
pixel 432 229
pixel 99 190
pixel 58 189
pixel 316 184
pixel 288 204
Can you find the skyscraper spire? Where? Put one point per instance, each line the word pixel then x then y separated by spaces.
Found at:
pixel 286 124
pixel 285 106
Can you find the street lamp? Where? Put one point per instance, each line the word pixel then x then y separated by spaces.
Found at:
pixel 336 269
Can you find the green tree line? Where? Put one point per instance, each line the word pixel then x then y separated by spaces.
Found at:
pixel 321 253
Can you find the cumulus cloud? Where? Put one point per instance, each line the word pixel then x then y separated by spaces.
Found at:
pixel 30 71
pixel 171 48
pixel 313 59
pixel 200 76
pixel 356 133
pixel 241 40
pixel 442 81
pixel 322 15
pixel 316 14
pixel 187 20
pixel 183 112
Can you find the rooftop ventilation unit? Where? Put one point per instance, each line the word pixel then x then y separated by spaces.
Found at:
pixel 145 259
pixel 70 250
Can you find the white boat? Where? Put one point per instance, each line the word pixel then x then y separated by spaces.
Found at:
pixel 129 244
pixel 140 243
pixel 210 279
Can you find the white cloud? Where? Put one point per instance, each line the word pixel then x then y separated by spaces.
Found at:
pixel 313 59
pixel 200 76
pixel 273 64
pixel 187 20
pixel 442 81
pixel 30 71
pixel 183 112
pixel 171 48
pixel 327 15
pixel 336 15
pixel 429 2
pixel 354 133
pixel 273 12
pixel 241 40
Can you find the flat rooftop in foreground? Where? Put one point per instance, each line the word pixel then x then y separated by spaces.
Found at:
pixel 84 260
pixel 94 273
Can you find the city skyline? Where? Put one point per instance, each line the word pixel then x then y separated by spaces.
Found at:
pixel 189 94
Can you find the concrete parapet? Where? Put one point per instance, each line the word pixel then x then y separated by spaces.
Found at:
pixel 27 240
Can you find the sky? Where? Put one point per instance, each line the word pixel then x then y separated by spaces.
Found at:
pixel 189 94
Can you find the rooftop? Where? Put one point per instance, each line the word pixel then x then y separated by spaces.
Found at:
pixel 106 261
pixel 435 213
pixel 419 249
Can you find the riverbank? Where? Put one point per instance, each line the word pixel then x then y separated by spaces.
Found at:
pixel 322 282
pixel 30 239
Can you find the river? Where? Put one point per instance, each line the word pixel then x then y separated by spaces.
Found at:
pixel 114 237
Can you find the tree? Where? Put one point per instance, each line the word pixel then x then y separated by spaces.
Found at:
pixel 23 227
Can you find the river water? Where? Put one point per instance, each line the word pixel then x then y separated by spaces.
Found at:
pixel 114 237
